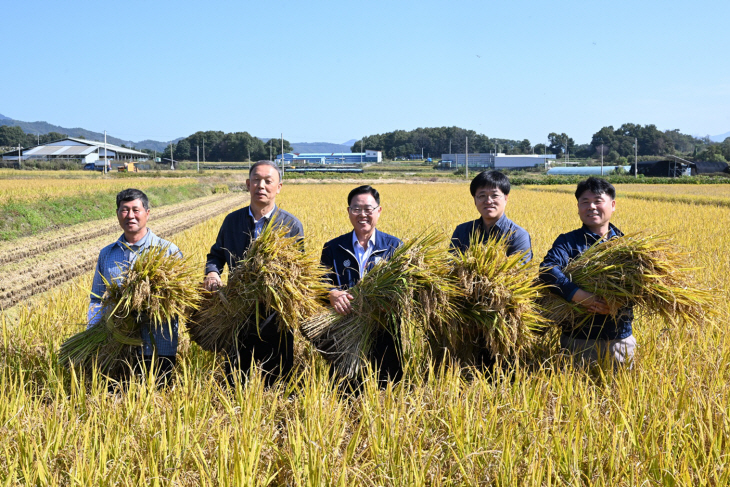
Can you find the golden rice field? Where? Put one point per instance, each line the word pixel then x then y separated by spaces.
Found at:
pixel 45 188
pixel 666 422
pixel 684 193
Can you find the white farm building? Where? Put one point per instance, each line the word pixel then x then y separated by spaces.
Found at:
pixel 77 150
pixel 495 161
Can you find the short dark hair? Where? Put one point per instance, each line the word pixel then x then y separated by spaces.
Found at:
pixel 490 180
pixel 265 163
pixel 366 189
pixel 132 194
pixel 596 186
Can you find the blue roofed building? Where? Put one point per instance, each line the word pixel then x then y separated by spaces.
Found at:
pixel 294 158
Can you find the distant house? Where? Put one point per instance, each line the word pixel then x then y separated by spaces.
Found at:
pixel 78 150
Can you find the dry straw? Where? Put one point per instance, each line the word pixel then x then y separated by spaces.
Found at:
pixel 156 289
pixel 275 275
pixel 496 307
pixel 413 286
pixel 647 271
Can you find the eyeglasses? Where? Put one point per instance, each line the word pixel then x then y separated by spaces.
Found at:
pixel 365 210
pixel 488 197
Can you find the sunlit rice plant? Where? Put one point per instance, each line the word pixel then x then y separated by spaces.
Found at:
pixel 413 286
pixel 647 271
pixel 157 288
pixel 496 307
pixel 275 275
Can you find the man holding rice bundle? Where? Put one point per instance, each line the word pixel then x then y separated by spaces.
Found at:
pixel 490 190
pixel 604 333
pixel 267 347
pixel 350 257
pixel 133 210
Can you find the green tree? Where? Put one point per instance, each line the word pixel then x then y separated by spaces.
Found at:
pixel 12 136
pixel 559 143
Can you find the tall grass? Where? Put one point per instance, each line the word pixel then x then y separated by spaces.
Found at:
pixel 665 422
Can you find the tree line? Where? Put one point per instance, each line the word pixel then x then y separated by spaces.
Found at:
pixel 616 145
pixel 229 147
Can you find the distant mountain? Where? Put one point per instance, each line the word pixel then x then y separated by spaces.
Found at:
pixel 45 127
pixel 319 147
pixel 720 138
pixel 350 142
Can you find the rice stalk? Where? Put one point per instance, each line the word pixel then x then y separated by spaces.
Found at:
pixel 412 286
pixel 155 289
pixel 496 306
pixel 275 275
pixel 646 271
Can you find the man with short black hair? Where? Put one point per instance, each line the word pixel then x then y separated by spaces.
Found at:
pixel 349 257
pixel 133 209
pixel 267 347
pixel 490 190
pixel 604 334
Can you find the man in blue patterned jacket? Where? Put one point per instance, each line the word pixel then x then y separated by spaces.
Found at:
pixel 350 257
pixel 133 210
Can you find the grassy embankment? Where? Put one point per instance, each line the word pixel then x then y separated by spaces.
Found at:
pixel 34 205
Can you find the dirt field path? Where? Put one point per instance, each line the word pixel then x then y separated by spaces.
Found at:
pixel 36 264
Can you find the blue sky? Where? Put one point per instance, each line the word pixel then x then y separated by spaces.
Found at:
pixel 333 71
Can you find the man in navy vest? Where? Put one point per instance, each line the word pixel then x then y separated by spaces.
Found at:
pixel 268 348
pixel 350 257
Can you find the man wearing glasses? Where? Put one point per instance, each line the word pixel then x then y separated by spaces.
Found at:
pixel 350 256
pixel 490 190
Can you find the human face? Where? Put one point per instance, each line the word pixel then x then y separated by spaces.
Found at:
pixel 263 185
pixel 364 222
pixel 490 203
pixel 595 211
pixel 132 217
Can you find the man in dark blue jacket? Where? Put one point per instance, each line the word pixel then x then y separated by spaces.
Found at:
pixel 490 190
pixel 268 348
pixel 604 334
pixel 350 257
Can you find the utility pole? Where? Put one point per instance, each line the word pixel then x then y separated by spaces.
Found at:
pixel 636 157
pixel 421 153
pixel 197 155
pixel 467 158
pixel 105 155
pixel 172 158
pixel 20 158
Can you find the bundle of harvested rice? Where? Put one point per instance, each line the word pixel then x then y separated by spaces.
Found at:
pixel 155 289
pixel 647 271
pixel 275 275
pixel 497 309
pixel 412 286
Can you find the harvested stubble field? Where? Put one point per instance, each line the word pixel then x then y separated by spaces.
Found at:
pixel 666 422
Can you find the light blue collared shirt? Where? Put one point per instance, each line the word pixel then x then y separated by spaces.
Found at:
pixel 258 225
pixel 362 255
